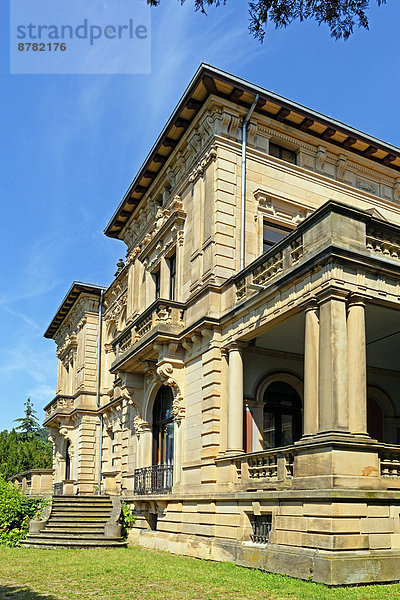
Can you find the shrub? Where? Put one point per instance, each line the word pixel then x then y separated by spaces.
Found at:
pixel 16 510
pixel 127 519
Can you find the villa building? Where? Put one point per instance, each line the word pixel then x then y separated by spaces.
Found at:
pixel 238 381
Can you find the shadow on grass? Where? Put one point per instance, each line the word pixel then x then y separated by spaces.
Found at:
pixel 17 592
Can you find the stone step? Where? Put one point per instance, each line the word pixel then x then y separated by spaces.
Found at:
pixel 83 505
pixel 78 522
pixel 77 514
pixel 53 543
pixel 70 536
pixel 93 498
pixel 70 526
pixel 73 532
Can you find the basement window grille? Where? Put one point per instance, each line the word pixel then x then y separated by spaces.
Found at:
pixel 261 525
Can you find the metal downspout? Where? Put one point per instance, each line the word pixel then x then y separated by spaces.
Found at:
pixel 243 193
pixel 98 388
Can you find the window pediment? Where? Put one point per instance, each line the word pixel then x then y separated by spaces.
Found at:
pixel 169 222
pixel 281 210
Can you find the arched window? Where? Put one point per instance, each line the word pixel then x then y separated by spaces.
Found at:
pixel 282 415
pixel 163 427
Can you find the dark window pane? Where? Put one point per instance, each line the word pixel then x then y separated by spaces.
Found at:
pixel 172 276
pixel 272 234
pixel 157 283
pixel 282 153
pixel 282 415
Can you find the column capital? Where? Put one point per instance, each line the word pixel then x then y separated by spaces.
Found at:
pixel 310 304
pixel 332 292
pixel 356 299
pixel 238 346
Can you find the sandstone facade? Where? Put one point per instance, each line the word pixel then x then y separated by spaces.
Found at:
pixel 247 414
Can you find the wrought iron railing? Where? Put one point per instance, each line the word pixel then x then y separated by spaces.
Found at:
pixel 157 479
pixel 261 525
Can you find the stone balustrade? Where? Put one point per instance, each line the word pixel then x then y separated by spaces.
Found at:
pixel 266 467
pixel 164 315
pixel 389 461
pixel 60 404
pixel 36 482
pixel 383 240
pixel 270 265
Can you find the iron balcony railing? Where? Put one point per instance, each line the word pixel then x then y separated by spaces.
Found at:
pixel 157 479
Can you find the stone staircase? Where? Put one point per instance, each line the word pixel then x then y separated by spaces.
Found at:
pixel 77 522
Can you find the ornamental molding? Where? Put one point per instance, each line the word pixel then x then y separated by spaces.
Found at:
pixel 199 169
pixel 171 377
pixel 163 235
pixel 272 133
pixel 140 426
pixel 116 307
pixel 67 351
pixel 127 394
pixel 281 209
pixel 76 319
pixel 113 418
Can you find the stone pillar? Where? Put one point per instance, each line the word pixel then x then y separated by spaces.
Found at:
pixel 333 366
pixel 235 400
pixel 146 445
pixel 178 425
pixel 223 410
pixel 311 359
pixel 357 365
pixel 179 267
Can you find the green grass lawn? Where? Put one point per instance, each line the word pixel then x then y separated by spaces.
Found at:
pixel 139 574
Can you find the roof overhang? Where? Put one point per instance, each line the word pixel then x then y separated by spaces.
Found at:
pixel 71 297
pixel 210 80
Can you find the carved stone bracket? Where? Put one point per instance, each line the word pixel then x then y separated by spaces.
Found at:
pixel 127 393
pixel 169 377
pixel 140 426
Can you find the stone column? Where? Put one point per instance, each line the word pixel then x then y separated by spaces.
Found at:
pixel 311 359
pixel 145 443
pixel 235 400
pixel 333 367
pixel 357 365
pixel 223 410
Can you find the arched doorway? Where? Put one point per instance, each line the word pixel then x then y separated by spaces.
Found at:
pixel 282 422
pixel 67 461
pixel 163 427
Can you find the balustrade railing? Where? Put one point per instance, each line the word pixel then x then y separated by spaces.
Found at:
pixel 161 312
pixel 61 403
pixel 389 459
pixel 157 479
pixel 286 254
pixel 383 241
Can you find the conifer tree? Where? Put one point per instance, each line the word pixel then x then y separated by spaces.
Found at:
pixel 29 424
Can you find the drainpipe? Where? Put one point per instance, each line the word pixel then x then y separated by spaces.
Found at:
pixel 98 388
pixel 243 195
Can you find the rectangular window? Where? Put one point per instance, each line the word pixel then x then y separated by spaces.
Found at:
pixel 282 153
pixel 272 234
pixel 172 276
pixel 157 283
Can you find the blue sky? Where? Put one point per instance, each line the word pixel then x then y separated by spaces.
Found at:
pixel 72 144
